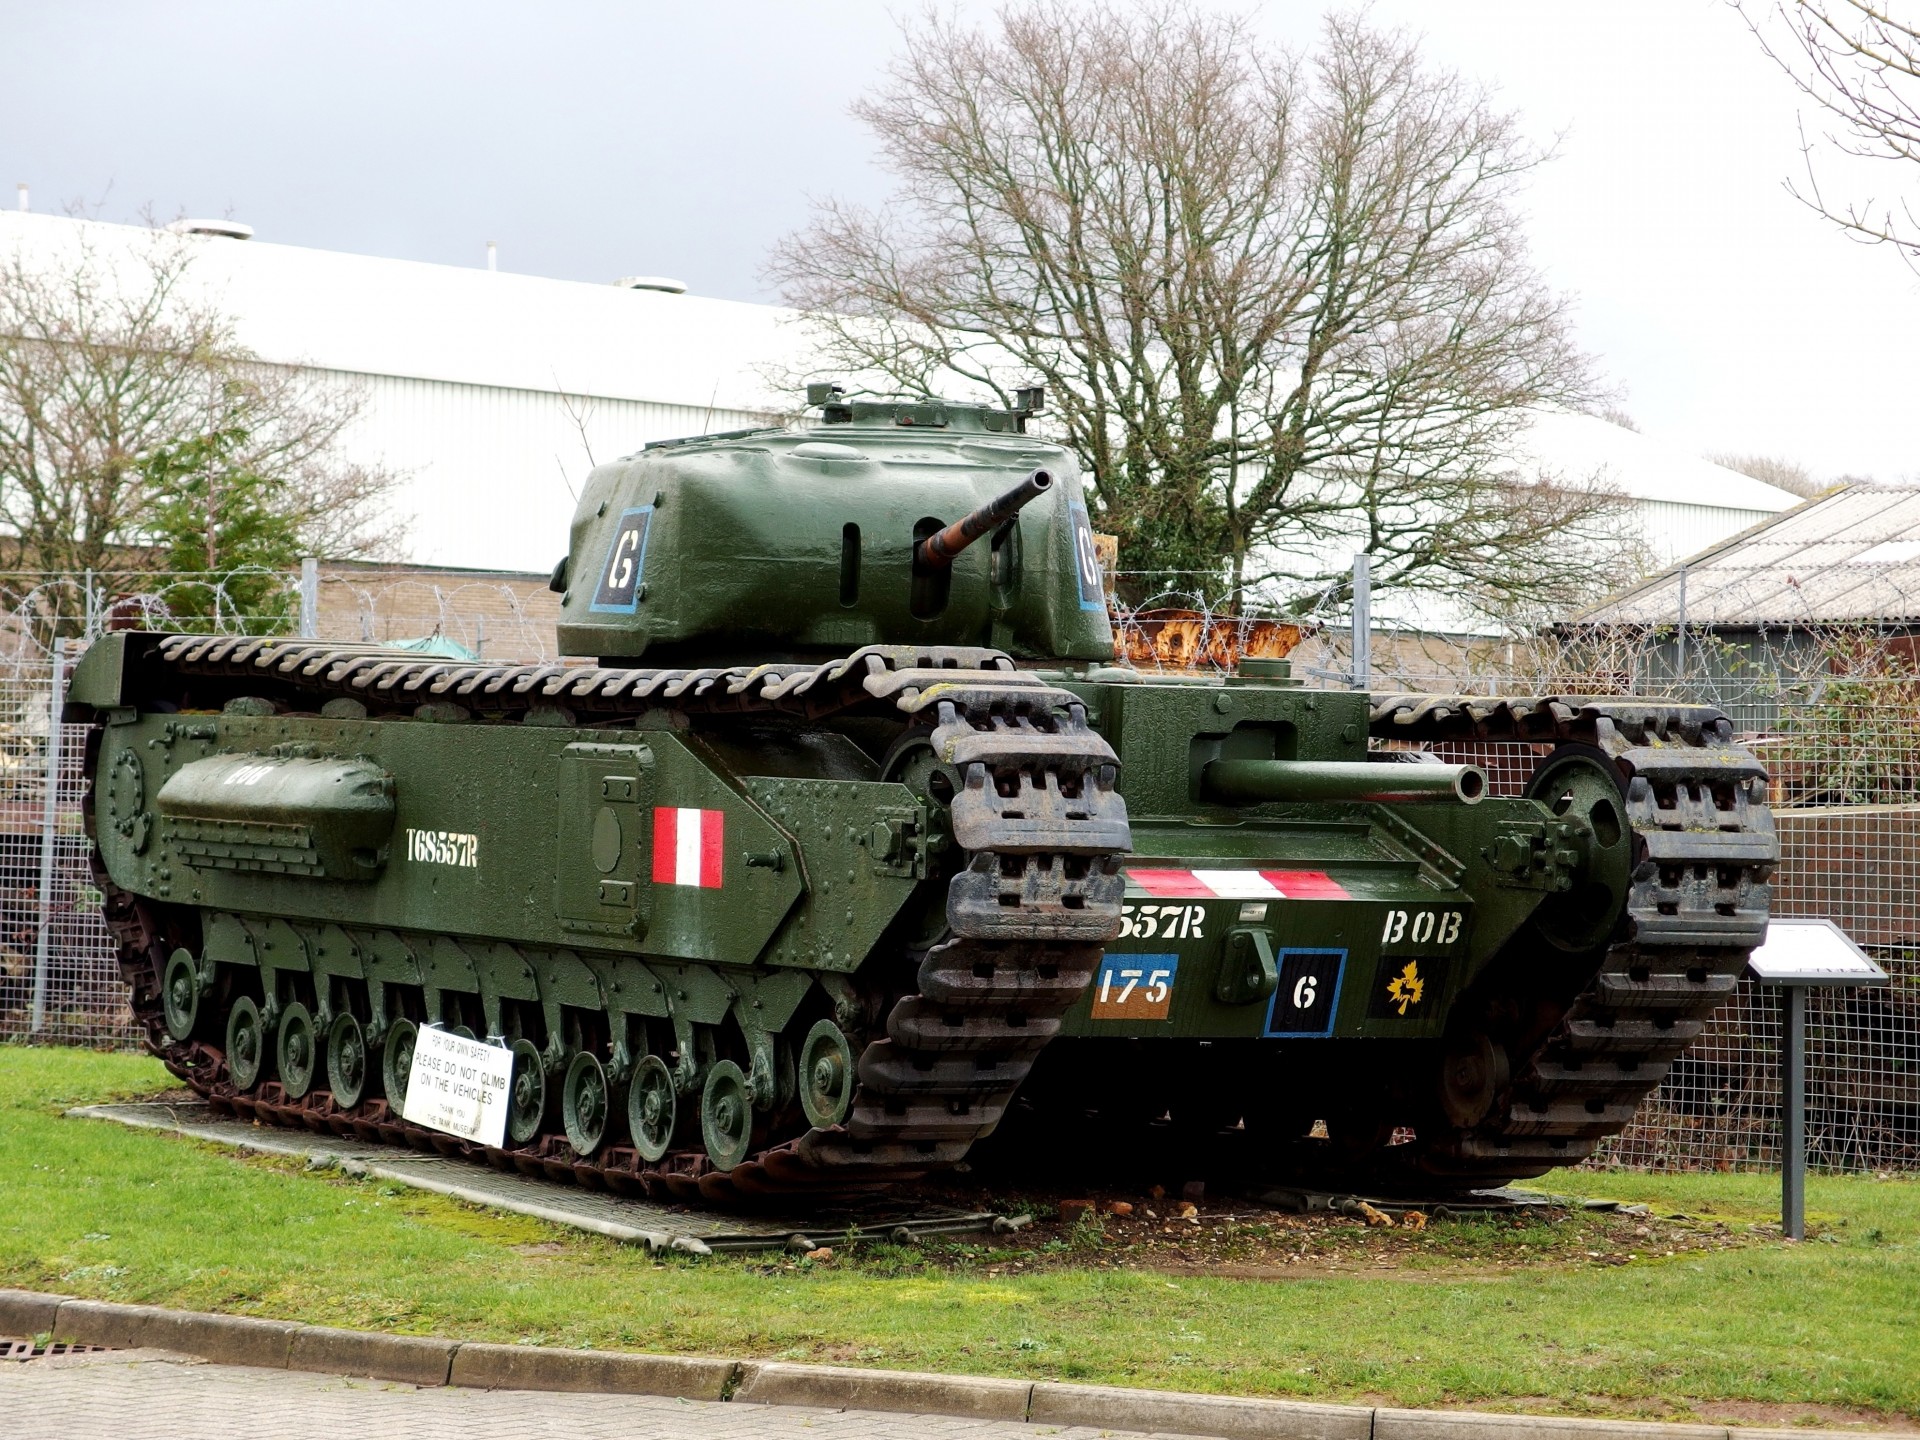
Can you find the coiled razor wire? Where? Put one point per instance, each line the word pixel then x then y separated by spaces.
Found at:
pixel 1833 707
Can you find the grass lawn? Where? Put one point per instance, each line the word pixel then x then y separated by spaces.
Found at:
pixel 1489 1314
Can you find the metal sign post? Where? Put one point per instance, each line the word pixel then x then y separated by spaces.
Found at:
pixel 1798 955
pixel 1362 620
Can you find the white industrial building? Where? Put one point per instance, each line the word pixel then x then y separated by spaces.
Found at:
pixel 493 393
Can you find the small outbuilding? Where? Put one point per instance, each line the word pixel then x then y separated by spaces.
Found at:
pixel 1764 622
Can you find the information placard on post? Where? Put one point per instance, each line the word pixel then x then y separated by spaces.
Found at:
pixel 1812 952
pixel 459 1086
pixel 1799 955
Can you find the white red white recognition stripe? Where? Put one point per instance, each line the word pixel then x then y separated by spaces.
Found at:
pixel 1238 884
pixel 687 846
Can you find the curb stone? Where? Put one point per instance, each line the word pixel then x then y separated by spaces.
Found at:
pixel 607 1372
pixel 832 1388
pixel 27 1313
pixel 427 1361
pixel 413 1359
pixel 1114 1407
pixel 1469 1425
pixel 223 1339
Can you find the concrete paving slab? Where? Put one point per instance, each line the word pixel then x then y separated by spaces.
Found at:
pixel 636 1221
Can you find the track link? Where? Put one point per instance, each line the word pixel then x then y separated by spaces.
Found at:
pixel 1039 823
pixel 1697 907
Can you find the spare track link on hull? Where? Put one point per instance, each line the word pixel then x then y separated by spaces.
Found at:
pixel 1038 820
pixel 1696 909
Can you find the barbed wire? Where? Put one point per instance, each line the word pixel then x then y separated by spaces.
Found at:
pixel 1832 705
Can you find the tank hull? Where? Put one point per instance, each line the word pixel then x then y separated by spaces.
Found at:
pixel 950 864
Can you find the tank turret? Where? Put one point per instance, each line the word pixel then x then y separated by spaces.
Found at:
pixel 887 523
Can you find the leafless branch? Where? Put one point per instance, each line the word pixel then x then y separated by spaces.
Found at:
pixel 1859 63
pixel 104 358
pixel 1281 303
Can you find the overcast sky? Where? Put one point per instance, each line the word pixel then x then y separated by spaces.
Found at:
pixel 596 140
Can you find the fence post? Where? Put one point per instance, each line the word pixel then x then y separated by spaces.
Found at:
pixel 1362 620
pixel 1680 653
pixel 49 823
pixel 309 597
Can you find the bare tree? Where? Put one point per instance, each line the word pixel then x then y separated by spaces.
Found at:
pixel 1281 305
pixel 1782 474
pixel 1859 62
pixel 108 360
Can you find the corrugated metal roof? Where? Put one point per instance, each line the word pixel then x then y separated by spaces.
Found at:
pixel 1853 555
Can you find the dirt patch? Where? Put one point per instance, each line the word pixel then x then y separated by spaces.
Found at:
pixel 1756 1414
pixel 1242 1241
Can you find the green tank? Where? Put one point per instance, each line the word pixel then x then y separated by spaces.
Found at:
pixel 852 835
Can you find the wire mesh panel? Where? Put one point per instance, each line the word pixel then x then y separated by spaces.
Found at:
pixel 1833 709
pixel 59 979
pixel 1720 1105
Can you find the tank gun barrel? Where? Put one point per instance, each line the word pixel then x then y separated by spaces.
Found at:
pixel 1262 782
pixel 940 548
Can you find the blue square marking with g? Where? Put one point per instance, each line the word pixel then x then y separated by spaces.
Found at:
pixel 1308 996
pixel 1086 560
pixel 619 590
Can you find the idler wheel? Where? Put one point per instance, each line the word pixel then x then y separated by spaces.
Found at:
pixel 180 994
pixel 826 1075
pixel 347 1061
pixel 396 1062
pixel 650 1108
pixel 527 1099
pixel 584 1103
pixel 246 1044
pixel 297 1050
pixel 1580 782
pixel 726 1116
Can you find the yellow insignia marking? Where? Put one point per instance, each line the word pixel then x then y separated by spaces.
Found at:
pixel 1406 988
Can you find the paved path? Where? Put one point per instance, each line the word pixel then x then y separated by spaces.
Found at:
pixel 147 1395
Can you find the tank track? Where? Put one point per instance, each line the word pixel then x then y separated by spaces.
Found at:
pixel 1696 908
pixel 1037 819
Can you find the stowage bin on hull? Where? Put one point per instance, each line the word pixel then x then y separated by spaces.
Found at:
pixel 854 838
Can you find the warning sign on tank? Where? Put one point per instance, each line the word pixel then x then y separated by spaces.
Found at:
pixel 459 1086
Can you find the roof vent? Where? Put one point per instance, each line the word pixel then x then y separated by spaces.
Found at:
pixel 226 229
pixel 652 282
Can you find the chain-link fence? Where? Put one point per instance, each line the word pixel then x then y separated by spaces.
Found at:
pixel 1827 694
pixel 1833 707
pixel 58 978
